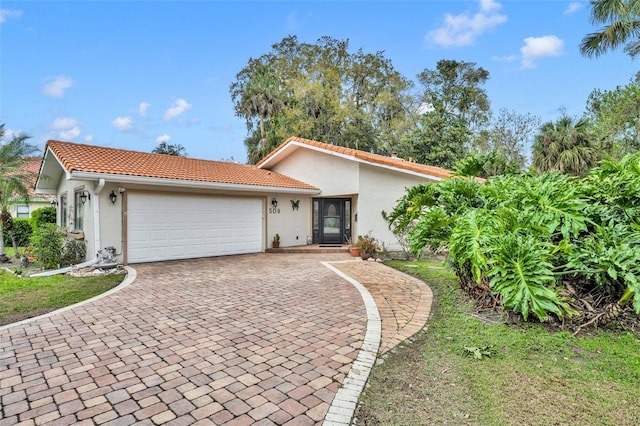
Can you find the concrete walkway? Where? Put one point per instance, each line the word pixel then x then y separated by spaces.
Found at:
pixel 257 339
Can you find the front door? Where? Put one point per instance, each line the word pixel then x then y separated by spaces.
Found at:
pixel 331 220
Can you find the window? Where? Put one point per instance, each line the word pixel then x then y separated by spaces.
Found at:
pixel 22 210
pixel 347 219
pixel 63 211
pixel 78 210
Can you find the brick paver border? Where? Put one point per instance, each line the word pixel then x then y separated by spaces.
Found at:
pixel 129 278
pixel 344 403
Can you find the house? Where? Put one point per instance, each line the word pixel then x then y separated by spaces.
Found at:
pixel 21 209
pixel 154 207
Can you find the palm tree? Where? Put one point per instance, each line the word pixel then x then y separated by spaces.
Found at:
pixel 564 146
pixel 261 97
pixel 622 25
pixel 14 179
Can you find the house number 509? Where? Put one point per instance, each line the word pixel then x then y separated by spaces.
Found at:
pixel 274 210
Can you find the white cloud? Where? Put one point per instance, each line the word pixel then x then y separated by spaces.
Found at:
pixel 9 14
pixel 180 106
pixel 67 128
pixel 539 47
pixel 463 29
pixel 70 134
pixel 292 21
pixel 64 123
pixel 88 138
pixel 510 58
pixel 9 134
pixel 56 86
pixel 142 109
pixel 124 124
pixel 573 7
pixel 163 138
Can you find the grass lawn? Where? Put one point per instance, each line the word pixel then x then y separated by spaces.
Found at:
pixel 531 376
pixel 11 252
pixel 22 298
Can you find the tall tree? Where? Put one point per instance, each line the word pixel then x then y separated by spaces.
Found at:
pixel 436 141
pixel 258 97
pixel 621 20
pixel 14 178
pixel 508 134
pixel 487 165
pixel 453 107
pixel 170 149
pixel 615 118
pixel 454 90
pixel 564 146
pixel 321 91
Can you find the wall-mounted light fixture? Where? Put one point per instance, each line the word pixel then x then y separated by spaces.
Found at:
pixel 54 203
pixel 274 202
pixel 84 196
pixel 113 197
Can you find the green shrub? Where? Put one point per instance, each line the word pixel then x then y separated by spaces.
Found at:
pixel 534 244
pixel 73 252
pixel 46 245
pixel 41 216
pixel 21 230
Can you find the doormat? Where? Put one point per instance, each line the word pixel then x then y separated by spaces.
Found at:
pixel 329 245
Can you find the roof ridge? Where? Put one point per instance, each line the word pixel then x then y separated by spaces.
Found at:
pixel 99 160
pixel 363 155
pixel 139 152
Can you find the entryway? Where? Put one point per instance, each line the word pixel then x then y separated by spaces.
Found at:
pixel 331 220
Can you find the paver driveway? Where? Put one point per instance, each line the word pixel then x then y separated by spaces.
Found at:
pixel 261 338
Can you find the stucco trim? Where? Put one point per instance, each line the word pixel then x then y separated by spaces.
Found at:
pixel 293 145
pixel 188 183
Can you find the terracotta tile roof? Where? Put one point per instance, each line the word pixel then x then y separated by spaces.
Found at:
pixel 365 156
pixel 95 159
pixel 30 169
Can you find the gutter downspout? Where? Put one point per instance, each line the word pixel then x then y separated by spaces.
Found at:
pixel 65 270
pixel 96 217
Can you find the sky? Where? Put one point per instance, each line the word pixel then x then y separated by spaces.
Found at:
pixel 132 74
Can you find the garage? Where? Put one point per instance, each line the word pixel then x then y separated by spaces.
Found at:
pixel 161 226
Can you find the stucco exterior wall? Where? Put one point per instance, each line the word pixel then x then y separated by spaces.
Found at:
pixel 333 175
pixel 372 189
pixel 68 188
pixel 379 190
pixel 109 215
pixel 294 226
pixel 111 218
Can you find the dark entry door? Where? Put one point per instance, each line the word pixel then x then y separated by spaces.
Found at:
pixel 331 220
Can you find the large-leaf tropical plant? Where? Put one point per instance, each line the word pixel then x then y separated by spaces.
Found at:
pixel 522 273
pixel 524 238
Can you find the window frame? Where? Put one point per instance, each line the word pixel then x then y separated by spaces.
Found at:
pixel 22 214
pixel 64 205
pixel 78 210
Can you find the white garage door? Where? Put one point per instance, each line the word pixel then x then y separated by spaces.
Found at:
pixel 164 227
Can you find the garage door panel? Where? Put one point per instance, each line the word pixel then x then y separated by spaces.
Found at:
pixel 174 226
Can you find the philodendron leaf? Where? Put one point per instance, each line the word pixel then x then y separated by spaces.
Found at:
pixel 523 276
pixel 478 352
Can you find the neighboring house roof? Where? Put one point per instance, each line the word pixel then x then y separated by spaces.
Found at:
pixel 294 143
pixel 92 161
pixel 30 169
